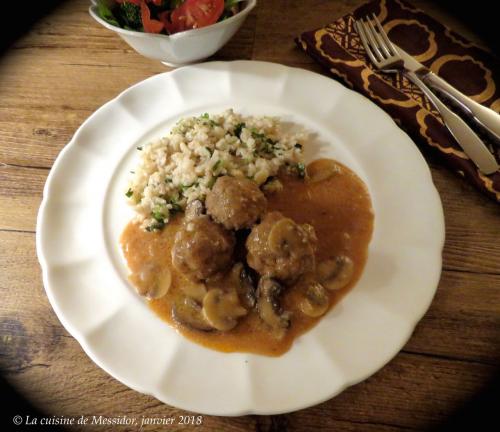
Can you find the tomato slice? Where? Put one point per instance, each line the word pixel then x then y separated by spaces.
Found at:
pixel 150 25
pixel 165 19
pixel 196 14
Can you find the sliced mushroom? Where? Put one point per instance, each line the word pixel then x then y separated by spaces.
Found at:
pixel 272 185
pixel 322 170
pixel 152 281
pixel 247 288
pixel 189 313
pixel 316 300
pixel 335 273
pixel 270 311
pixel 194 290
pixel 242 279
pixel 284 236
pixel 222 309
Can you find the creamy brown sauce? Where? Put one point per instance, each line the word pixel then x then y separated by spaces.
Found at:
pixel 339 208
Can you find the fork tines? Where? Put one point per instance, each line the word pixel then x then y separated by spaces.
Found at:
pixel 375 40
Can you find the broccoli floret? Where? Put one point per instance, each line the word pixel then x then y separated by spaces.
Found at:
pixel 131 15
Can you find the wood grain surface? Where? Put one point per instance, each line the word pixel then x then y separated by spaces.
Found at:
pixel 66 67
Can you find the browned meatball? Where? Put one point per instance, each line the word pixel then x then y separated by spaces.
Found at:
pixel 280 248
pixel 236 203
pixel 202 248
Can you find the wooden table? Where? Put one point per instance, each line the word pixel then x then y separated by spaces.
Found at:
pixel 52 79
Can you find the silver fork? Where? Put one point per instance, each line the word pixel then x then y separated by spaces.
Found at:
pixel 385 56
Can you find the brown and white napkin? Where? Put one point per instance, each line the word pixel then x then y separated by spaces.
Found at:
pixel 466 66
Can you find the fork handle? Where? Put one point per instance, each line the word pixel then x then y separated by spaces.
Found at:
pixel 488 118
pixel 463 134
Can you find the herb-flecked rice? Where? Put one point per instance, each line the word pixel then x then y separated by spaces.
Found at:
pixel 183 166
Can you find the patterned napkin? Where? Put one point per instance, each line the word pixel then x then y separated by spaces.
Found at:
pixel 467 67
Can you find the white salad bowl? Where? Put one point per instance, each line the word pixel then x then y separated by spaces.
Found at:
pixel 184 47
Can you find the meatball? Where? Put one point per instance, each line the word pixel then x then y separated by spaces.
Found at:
pixel 235 203
pixel 202 248
pixel 281 249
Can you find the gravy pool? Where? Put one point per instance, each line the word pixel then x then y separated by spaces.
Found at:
pixel 340 210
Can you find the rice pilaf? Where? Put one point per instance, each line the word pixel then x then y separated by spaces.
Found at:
pixel 183 166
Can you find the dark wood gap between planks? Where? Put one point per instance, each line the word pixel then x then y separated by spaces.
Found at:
pixel 108 66
pixel 11 165
pixel 447 358
pixel 9 230
pixel 454 270
pixel 390 425
pixel 279 423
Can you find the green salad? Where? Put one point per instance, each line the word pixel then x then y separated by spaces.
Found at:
pixel 166 16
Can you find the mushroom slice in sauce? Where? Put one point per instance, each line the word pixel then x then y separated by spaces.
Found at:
pixel 283 236
pixel 335 273
pixel 189 313
pixel 268 293
pixel 222 309
pixel 244 283
pixel 322 170
pixel 316 300
pixel 152 281
pixel 194 290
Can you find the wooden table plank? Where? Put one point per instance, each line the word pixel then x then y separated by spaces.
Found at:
pixel 20 196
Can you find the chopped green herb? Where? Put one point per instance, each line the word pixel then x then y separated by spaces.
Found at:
pixel 257 135
pixel 186 187
pixel 174 203
pixel 301 170
pixel 139 148
pixel 238 128
pixel 158 216
pixel 158 213
pixel 210 150
pixel 129 193
pixel 168 180
pixel 211 182
pixel 269 145
pixel 211 122
pixel 217 165
pixel 155 226
pixel 175 208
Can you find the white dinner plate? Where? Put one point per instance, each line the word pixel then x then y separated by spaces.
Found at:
pixel 84 211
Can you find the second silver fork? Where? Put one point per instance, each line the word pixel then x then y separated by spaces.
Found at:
pixel 385 57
